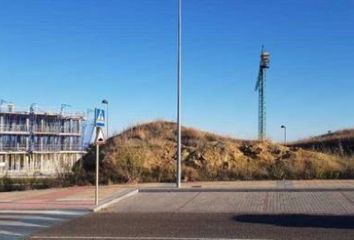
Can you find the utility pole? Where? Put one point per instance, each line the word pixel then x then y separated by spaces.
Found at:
pixel 179 94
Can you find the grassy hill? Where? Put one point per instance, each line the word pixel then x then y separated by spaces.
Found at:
pixel 340 142
pixel 147 152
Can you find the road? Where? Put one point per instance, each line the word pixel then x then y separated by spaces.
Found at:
pixel 218 215
pixel 17 224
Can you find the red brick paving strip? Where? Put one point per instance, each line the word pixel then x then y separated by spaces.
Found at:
pixel 52 199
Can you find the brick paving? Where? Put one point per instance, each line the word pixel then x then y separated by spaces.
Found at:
pixel 333 203
pixel 261 184
pixel 79 198
pixel 287 184
pixel 270 214
pixel 83 197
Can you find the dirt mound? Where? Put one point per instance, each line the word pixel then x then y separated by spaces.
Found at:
pixel 147 152
pixel 340 142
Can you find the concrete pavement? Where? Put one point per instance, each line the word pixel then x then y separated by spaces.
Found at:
pixel 82 198
pixel 281 185
pixel 273 213
pixel 159 211
pixel 326 203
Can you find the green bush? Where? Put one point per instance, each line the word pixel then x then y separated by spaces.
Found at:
pixel 129 164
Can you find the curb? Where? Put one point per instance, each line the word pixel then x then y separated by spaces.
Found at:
pixel 160 190
pixel 114 199
pixel 70 212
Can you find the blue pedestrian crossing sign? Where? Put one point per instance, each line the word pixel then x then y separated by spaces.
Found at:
pixel 99 117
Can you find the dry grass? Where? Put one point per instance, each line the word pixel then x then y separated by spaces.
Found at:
pixel 338 143
pixel 337 135
pixel 147 152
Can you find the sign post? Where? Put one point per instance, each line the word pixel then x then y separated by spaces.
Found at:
pixel 99 124
pixel 97 169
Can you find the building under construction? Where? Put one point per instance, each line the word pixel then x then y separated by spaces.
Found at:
pixel 34 142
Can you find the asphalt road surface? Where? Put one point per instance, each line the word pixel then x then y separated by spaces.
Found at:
pixel 221 215
pixel 18 224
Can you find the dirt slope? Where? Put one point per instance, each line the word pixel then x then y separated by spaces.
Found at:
pixel 340 142
pixel 147 152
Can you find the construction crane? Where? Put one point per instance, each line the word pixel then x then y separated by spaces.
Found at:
pixel 260 87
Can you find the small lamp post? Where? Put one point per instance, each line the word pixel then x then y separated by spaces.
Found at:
pixel 63 106
pixel 284 127
pixel 105 101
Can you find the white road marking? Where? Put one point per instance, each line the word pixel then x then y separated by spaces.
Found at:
pixel 10 233
pixel 30 217
pixel 20 224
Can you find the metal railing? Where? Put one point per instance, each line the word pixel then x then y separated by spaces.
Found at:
pixel 71 147
pixel 57 147
pixel 45 147
pixel 38 129
pixel 13 147
pixel 41 147
pixel 70 130
pixel 13 128
pixel 50 129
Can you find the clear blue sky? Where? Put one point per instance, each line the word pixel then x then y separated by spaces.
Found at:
pixel 81 51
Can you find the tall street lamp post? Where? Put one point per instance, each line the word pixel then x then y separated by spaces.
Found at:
pixel 179 93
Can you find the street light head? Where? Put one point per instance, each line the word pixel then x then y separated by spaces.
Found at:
pixel 64 105
pixel 282 126
pixel 32 107
pixel 104 101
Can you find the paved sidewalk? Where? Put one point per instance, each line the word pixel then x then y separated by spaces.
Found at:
pixel 211 213
pixel 29 212
pixel 82 198
pixel 295 185
pixel 72 198
pixel 320 203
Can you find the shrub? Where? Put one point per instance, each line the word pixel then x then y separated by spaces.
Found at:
pixel 190 174
pixel 164 173
pixel 128 163
pixel 211 137
pixel 190 133
pixel 20 184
